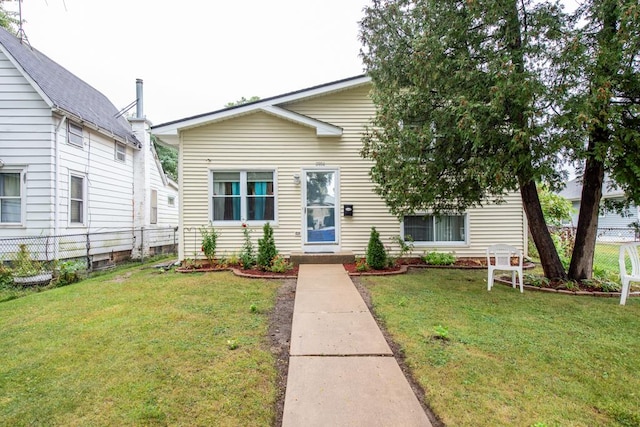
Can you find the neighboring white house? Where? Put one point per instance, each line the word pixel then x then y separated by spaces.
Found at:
pixel 611 223
pixel 71 165
pixel 294 160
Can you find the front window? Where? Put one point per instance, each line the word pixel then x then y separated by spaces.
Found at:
pixel 76 200
pixel 443 229
pixel 10 198
pixel 74 134
pixel 243 196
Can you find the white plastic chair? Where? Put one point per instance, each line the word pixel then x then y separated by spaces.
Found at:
pixel 502 255
pixel 630 250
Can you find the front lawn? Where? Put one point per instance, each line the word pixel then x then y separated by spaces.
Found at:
pixel 137 347
pixel 503 358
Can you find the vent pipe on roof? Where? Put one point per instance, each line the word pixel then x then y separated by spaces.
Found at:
pixel 139 100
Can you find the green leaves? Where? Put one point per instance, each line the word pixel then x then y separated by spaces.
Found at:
pixel 459 113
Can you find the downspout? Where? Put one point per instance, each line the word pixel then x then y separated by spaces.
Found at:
pixel 56 197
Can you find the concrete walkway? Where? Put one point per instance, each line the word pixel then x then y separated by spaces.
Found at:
pixel 341 370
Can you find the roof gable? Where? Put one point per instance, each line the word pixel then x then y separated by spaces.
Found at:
pixel 275 106
pixel 64 91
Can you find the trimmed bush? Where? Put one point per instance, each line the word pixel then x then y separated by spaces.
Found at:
pixel 376 253
pixel 266 248
pixel 439 258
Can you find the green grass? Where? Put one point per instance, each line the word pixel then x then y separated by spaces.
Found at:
pixel 511 358
pixel 136 347
pixel 606 256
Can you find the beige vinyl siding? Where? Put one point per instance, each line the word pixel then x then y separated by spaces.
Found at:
pixel 261 141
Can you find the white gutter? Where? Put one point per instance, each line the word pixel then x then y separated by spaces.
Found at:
pixel 56 184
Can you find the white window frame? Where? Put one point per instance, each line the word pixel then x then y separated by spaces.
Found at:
pixel 84 200
pixel 75 131
pixel 243 198
pixel 435 243
pixel 23 197
pixel 120 152
pixel 171 201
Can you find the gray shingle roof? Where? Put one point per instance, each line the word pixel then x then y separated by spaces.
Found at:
pixel 66 91
pixel 573 190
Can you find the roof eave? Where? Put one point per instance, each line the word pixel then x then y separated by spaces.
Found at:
pixel 172 128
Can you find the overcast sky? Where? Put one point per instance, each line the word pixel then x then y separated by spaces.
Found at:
pixel 196 55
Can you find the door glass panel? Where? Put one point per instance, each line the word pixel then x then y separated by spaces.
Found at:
pixel 321 211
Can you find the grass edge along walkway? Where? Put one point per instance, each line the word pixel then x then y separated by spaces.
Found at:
pixel 505 358
pixel 135 347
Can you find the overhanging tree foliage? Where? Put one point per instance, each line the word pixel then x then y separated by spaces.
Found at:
pixel 8 19
pixel 460 93
pixel 168 157
pixel 601 113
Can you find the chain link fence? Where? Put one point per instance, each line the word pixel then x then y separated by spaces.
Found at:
pixel 608 241
pixel 96 250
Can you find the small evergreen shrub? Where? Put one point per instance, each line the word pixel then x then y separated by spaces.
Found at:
pixel 376 253
pixel 266 248
pixel 248 254
pixel 439 258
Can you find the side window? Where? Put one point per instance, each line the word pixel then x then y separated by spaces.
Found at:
pixel 74 134
pixel 432 229
pixel 11 193
pixel 154 206
pixel 121 152
pixel 77 198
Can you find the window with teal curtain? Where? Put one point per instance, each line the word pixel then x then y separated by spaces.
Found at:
pixel 226 196
pixel 260 198
pixel 243 196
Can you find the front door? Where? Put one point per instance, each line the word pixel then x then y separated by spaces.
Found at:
pixel 320 216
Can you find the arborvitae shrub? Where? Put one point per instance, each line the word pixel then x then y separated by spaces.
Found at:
pixel 376 254
pixel 266 248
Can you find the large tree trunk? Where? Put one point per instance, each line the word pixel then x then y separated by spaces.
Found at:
pixel 608 53
pixel 582 258
pixel 549 258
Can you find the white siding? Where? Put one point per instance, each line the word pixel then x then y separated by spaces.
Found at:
pixel 26 135
pixel 263 141
pixel 109 183
pixel 167 215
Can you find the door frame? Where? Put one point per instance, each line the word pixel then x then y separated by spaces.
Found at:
pixel 311 247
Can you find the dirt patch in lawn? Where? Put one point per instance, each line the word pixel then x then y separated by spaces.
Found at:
pixel 280 333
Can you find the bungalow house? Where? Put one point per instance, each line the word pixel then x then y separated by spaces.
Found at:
pixel 71 165
pixel 612 224
pixel 294 161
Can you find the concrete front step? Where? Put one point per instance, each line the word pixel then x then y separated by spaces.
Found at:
pixel 346 257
